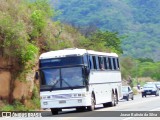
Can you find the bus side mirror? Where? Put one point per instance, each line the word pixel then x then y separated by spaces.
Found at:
pixel 36 75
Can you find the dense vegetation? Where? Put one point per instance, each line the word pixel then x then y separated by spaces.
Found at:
pixel 140 70
pixel 138 20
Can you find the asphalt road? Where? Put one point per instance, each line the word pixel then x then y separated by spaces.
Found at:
pixel 136 106
pixel 150 103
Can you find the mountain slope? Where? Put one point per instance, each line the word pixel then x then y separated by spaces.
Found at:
pixel 138 20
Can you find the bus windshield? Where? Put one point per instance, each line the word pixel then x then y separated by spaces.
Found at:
pixel 62 78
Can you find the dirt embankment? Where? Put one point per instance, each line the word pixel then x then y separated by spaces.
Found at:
pixel 5 78
pixel 11 88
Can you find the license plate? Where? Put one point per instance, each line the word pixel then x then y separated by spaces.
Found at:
pixel 62 101
pixel 148 92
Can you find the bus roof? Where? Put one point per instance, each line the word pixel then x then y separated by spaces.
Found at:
pixel 72 51
pixel 101 53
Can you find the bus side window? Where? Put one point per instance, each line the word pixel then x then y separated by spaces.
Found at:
pixel 114 63
pixel 117 68
pixel 112 66
pixel 105 63
pixel 91 62
pixel 118 63
pixel 101 63
pixel 110 63
pixel 94 62
pixel 97 63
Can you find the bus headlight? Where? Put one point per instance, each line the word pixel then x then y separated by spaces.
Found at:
pixel 74 95
pixel 83 94
pixel 43 97
pixel 45 103
pixel 46 97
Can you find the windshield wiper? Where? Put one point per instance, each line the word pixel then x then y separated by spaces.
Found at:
pixel 55 83
pixel 68 84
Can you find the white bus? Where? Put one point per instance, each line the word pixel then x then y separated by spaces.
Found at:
pixel 79 78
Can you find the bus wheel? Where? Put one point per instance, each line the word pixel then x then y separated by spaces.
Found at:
pixel 113 102
pixel 116 98
pixel 92 107
pixel 54 111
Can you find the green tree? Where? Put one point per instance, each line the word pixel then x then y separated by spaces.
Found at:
pixel 127 66
pixel 105 40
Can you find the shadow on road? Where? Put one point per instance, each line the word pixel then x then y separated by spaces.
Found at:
pixel 70 112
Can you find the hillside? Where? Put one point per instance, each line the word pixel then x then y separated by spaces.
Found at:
pixel 137 20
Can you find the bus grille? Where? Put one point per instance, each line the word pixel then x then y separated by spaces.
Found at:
pixel 62 96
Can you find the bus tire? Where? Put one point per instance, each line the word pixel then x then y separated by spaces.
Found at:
pixel 116 98
pixel 92 107
pixel 113 102
pixel 54 111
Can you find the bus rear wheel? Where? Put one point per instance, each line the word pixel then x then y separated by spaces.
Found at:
pixel 116 98
pixel 113 102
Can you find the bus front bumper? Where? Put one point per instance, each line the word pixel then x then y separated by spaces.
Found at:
pixel 65 103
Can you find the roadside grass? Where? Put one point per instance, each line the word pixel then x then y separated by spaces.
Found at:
pixel 18 106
